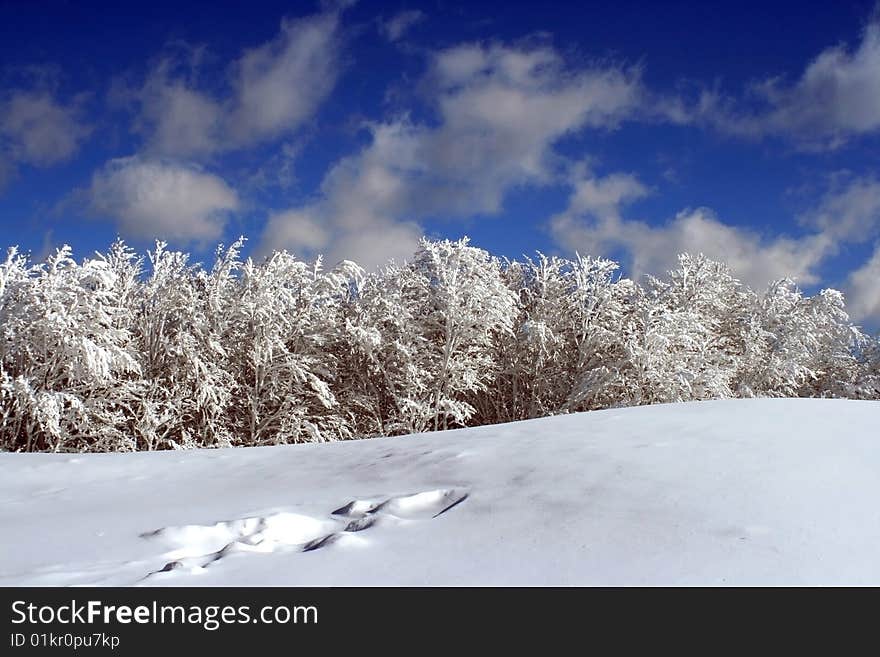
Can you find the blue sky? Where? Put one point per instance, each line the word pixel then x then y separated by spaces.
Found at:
pixel 746 131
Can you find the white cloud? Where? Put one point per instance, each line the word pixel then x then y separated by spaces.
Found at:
pixel 592 224
pixel 369 240
pixel 863 290
pixel 836 98
pixel 849 212
pixel 395 27
pixel 177 119
pixel 161 199
pixel 604 196
pixel 376 243
pixel 36 129
pixel 280 84
pixel 500 110
pixel 298 228
pixel 273 89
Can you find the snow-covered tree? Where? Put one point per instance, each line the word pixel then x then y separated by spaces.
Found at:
pixel 803 346
pixel 868 381
pixel 387 390
pixel 67 353
pixel 688 338
pixel 564 353
pixel 456 295
pixel 282 322
pixel 122 353
pixel 179 330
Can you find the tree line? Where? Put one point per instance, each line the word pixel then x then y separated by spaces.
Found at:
pixel 121 352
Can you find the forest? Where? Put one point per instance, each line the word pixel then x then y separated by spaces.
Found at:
pixel 121 352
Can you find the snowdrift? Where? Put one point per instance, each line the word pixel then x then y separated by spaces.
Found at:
pixel 738 492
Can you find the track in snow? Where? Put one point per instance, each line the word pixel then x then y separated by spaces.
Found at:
pixel 194 547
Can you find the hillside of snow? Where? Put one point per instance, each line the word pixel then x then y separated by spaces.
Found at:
pixel 738 492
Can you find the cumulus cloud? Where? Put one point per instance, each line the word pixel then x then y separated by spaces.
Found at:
pixel 849 212
pixel 377 243
pixel 37 129
pixel 162 199
pixel 399 24
pixel 370 240
pixel 280 84
pixel 836 98
pixel 271 91
pixel 297 227
pixel 593 224
pixel 603 196
pixel 175 117
pixel 499 112
pixel 863 290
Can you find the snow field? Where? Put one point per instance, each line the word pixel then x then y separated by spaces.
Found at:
pixel 736 492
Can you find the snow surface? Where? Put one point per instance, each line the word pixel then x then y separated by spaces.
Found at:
pixel 728 492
